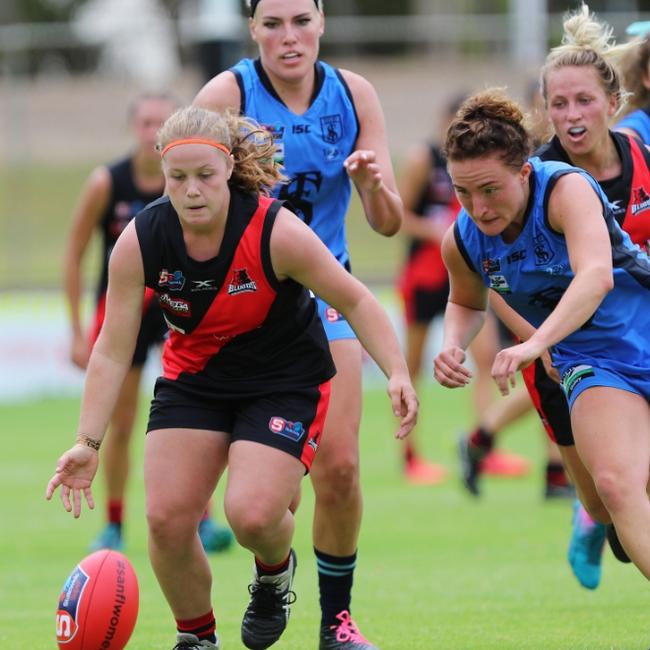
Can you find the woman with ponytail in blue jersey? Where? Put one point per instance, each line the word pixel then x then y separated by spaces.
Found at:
pixel 586 299
pixel 329 130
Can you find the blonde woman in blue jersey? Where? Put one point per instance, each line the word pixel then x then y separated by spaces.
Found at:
pixel 329 130
pixel 521 233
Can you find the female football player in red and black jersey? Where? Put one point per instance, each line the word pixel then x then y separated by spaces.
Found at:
pixel 246 367
pixel 111 197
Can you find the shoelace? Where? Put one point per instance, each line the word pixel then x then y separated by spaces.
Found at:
pixel 267 600
pixel 347 629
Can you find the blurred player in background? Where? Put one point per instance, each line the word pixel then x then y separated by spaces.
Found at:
pixel 635 72
pixel 246 367
pixel 329 129
pixel 112 196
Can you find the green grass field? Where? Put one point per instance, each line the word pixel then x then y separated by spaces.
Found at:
pixel 436 570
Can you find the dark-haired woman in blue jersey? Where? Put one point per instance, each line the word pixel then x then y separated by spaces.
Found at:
pixel 521 233
pixel 329 130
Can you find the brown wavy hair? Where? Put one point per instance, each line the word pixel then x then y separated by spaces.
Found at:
pixel 252 147
pixel 634 67
pixel 489 122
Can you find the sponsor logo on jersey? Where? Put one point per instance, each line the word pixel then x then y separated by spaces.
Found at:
pixel 175 305
pixel 516 256
pixel 203 285
pixel 491 266
pixel 172 280
pixel 499 283
pixel 68 609
pixel 573 376
pixel 174 328
pixel 331 154
pixel 312 443
pixel 241 282
pixel 332 128
pixel 555 269
pixel 640 200
pixel 277 132
pixel 291 430
pixel 544 253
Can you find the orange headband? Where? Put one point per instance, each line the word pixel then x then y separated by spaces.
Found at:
pixel 212 143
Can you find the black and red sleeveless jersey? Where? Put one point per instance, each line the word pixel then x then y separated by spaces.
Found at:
pixel 125 201
pixel 235 330
pixel 629 192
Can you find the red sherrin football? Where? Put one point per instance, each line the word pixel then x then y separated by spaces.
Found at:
pixel 98 605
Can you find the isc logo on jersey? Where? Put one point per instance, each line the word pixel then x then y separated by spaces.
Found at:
pixel 292 430
pixel 69 600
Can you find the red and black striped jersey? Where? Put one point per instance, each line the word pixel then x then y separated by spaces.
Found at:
pixel 235 330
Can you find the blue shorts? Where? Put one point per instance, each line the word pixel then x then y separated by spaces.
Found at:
pixel 336 327
pixel 578 378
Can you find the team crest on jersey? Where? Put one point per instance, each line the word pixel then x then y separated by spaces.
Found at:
pixel 499 283
pixel 640 200
pixel 542 248
pixel 292 430
pixel 491 266
pixel 241 282
pixel 174 280
pixel 175 305
pixel 332 128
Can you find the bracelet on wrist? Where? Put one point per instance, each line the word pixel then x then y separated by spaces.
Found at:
pixel 83 439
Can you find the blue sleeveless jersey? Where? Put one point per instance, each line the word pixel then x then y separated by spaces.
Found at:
pixel 311 147
pixel 532 273
pixel 638 121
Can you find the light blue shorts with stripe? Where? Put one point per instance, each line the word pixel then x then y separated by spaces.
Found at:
pixel 579 378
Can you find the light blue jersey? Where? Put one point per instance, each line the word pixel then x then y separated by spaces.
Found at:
pixel 312 147
pixel 639 122
pixel 533 272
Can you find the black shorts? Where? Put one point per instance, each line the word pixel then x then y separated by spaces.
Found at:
pixel 289 421
pixel 423 305
pixel 550 402
pixel 153 330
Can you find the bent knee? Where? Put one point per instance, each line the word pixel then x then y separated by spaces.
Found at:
pixel 250 525
pixel 166 526
pixel 615 488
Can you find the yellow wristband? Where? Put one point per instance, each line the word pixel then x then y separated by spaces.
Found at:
pixel 83 439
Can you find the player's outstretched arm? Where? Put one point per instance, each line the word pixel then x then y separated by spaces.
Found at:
pixel 107 368
pixel 464 316
pixel 370 166
pixel 296 252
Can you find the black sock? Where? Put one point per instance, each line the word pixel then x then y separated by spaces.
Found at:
pixel 335 575
pixel 555 474
pixel 481 442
